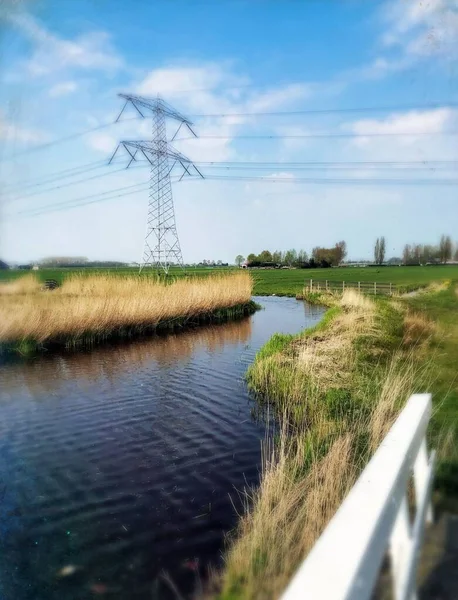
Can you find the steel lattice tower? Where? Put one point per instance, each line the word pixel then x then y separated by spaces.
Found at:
pixel 162 246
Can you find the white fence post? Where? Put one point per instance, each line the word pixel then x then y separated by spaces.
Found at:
pixel 343 287
pixel 420 474
pixel 359 286
pixel 311 285
pixel 400 541
pixel 375 288
pixel 391 289
pixel 327 285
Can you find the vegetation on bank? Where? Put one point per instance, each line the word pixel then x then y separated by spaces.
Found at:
pixel 441 307
pixel 336 390
pixel 85 310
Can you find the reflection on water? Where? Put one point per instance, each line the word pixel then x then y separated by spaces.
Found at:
pixel 119 463
pixel 111 362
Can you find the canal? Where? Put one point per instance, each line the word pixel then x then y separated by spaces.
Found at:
pixel 121 467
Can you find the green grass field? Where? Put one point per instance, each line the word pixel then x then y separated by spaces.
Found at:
pixel 442 308
pixel 283 282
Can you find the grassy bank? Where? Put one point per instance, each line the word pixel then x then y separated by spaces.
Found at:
pixel 336 390
pixel 282 282
pixel 441 307
pixel 86 310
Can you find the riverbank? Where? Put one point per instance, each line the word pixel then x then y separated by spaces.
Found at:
pixel 87 310
pixel 336 390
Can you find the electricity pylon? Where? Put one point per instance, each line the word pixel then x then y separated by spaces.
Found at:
pixel 162 246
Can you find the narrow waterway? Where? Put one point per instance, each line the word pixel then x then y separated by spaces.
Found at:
pixel 121 467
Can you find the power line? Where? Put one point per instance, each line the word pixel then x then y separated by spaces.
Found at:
pixel 58 187
pixel 350 110
pixel 58 209
pixel 325 111
pixel 324 167
pixel 255 165
pixel 356 164
pixel 317 135
pixel 82 201
pixel 89 166
pixel 352 181
pixel 67 138
pixel 51 179
pixel 98 194
pixel 265 165
pixel 95 198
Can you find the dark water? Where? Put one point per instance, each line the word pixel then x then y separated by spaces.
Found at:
pixel 125 462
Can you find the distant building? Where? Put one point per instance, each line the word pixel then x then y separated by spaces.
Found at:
pixel 35 268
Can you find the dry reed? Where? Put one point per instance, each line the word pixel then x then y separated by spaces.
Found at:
pixel 102 304
pixel 28 284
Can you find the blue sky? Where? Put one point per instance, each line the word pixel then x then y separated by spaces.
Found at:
pixel 64 63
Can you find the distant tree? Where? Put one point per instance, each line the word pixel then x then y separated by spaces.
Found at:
pixel 302 257
pixel 251 258
pixel 429 254
pixel 290 257
pixel 340 252
pixel 276 257
pixel 324 255
pixel 239 259
pixel 416 254
pixel 394 261
pixel 377 251
pixel 407 254
pixel 455 256
pixel 3 265
pixel 219 262
pixel 60 261
pixel 265 256
pixel 382 250
pixel 445 248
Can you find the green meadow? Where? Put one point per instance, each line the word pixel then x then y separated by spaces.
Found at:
pixel 282 282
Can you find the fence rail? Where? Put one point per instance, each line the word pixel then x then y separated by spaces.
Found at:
pixel 366 287
pixel 345 562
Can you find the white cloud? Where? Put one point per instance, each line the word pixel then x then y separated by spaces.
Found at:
pixel 102 142
pixel 412 30
pixel 412 122
pixel 62 89
pixel 275 98
pixel 209 89
pixel 14 133
pixel 425 28
pixel 92 51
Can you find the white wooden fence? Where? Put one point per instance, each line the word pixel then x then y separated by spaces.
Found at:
pixel 374 518
pixel 365 287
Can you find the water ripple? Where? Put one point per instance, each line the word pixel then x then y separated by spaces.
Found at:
pixel 127 460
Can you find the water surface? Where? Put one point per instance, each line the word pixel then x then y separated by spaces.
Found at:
pixel 124 463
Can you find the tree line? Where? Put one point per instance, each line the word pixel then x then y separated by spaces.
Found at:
pixel 320 257
pixel 420 254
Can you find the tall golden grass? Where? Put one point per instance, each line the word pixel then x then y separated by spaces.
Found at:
pixel 100 304
pixel 336 394
pixel 28 284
